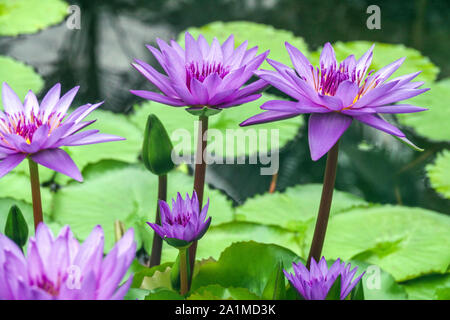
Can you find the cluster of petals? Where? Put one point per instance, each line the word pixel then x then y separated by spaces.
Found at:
pixel 39 130
pixel 314 284
pixel 203 74
pixel 335 94
pixel 63 269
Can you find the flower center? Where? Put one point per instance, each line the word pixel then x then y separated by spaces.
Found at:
pixel 181 219
pixel 201 70
pixel 48 286
pixel 25 125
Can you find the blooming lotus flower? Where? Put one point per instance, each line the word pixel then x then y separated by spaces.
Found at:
pixel 314 284
pixel 60 268
pixel 184 223
pixel 336 94
pixel 34 130
pixel 202 74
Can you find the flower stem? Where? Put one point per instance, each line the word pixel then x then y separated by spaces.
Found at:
pixel 184 281
pixel 199 180
pixel 325 205
pixel 155 258
pixel 35 193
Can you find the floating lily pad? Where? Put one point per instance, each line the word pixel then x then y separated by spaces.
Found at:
pixel 245 265
pixel 264 36
pixel 427 287
pixel 433 123
pixel 18 75
pixel 219 237
pixel 294 209
pixel 439 174
pixel 17 186
pixel 406 242
pixel 129 195
pixel 30 16
pixel 384 54
pixel 216 292
pixel 180 124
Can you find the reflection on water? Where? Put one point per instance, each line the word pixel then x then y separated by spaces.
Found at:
pixel 114 32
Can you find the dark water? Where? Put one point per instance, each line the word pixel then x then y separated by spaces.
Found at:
pixel 114 32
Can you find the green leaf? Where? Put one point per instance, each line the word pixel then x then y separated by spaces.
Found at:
pixel 294 209
pixel 439 174
pixel 335 291
pixel 432 123
pixel 406 242
pixel 244 265
pixel 19 76
pixel 427 287
pixel 164 294
pixel 221 236
pixel 157 147
pixel 29 16
pixel 159 279
pixel 384 54
pixel 276 286
pixel 140 272
pixel 16 227
pixel 129 195
pixel 16 185
pixel 136 294
pixel 264 36
pixel 180 124
pixel 376 283
pixel 216 292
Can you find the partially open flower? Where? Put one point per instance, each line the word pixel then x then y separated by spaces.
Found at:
pixel 183 224
pixel 60 268
pixel 314 284
pixel 202 74
pixel 40 130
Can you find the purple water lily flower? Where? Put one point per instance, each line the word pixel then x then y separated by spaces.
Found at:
pixel 39 130
pixel 184 222
pixel 62 269
pixel 336 94
pixel 314 284
pixel 203 74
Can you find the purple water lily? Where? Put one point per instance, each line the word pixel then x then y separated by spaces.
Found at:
pixel 34 130
pixel 60 268
pixel 184 222
pixel 203 74
pixel 336 94
pixel 314 284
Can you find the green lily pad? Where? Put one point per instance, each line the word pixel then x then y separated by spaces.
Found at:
pixel 377 283
pixel 17 186
pixel 129 195
pixel 19 76
pixel 432 123
pixel 163 294
pixel 427 287
pixel 180 124
pixel 30 16
pixel 294 209
pixel 244 265
pixel 216 292
pixel 439 174
pixel 264 36
pixel 219 237
pixel 406 242
pixel 384 54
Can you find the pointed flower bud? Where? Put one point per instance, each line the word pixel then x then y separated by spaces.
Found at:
pixel 157 147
